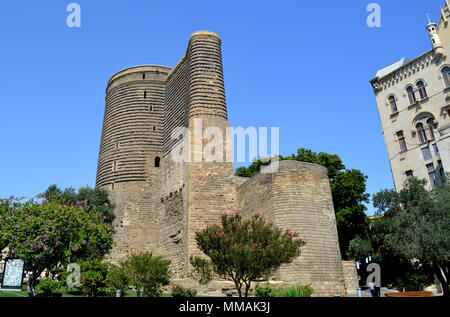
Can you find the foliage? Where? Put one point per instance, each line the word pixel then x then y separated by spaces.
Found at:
pixel 412 282
pixel 244 250
pixel 202 270
pixel 93 277
pixel 348 188
pixel 147 273
pixel 296 291
pixel 117 279
pixel 411 234
pixel 95 198
pixel 267 290
pixel 51 233
pixel 91 281
pixel 48 286
pixel 178 291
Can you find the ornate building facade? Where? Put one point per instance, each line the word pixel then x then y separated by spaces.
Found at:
pixel 413 98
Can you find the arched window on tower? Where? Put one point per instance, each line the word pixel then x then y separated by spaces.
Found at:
pixel 421 89
pixel 393 104
pixel 157 161
pixel 421 133
pixel 411 95
pixel 446 75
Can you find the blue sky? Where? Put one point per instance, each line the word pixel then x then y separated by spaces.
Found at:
pixel 303 66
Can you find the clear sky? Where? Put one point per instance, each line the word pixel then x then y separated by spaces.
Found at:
pixel 303 66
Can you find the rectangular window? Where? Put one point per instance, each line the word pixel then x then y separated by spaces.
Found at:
pixel 426 153
pixel 436 150
pixel 441 172
pixel 409 174
pixel 432 174
pixel 401 141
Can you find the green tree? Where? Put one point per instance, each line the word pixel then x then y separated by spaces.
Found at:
pixel 244 250
pixel 348 188
pixel 147 273
pixel 413 228
pixel 46 234
pixel 96 198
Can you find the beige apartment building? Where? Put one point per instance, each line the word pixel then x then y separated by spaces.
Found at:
pixel 413 98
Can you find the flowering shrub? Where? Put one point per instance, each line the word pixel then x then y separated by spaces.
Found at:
pixel 47 233
pixel 245 250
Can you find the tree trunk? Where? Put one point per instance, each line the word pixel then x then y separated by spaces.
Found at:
pixel 247 288
pixel 31 286
pixel 443 279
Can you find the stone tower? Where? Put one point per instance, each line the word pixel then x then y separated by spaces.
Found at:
pixel 130 152
pixel 154 115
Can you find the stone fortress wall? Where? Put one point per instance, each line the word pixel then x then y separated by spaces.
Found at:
pixel 160 202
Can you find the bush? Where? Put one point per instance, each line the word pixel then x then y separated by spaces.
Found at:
pixel 117 279
pixel 93 277
pixel 91 282
pixel 178 291
pixel 147 273
pixel 292 291
pixel 296 291
pixel 48 286
pixel 412 282
pixel 265 290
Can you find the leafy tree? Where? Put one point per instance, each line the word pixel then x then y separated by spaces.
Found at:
pixel 413 230
pixel 348 188
pixel 96 198
pixel 48 233
pixel 244 250
pixel 147 273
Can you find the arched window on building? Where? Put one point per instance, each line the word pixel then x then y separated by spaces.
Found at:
pixel 411 95
pixel 421 133
pixel 430 123
pixel 393 104
pixel 422 90
pixel 157 161
pixel 446 75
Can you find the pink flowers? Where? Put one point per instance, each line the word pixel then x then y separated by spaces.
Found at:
pixel 292 234
pixel 217 235
pixel 237 212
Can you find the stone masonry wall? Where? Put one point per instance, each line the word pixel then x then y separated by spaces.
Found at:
pixel 299 199
pixel 351 277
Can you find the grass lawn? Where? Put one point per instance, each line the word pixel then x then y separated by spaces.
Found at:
pixel 66 293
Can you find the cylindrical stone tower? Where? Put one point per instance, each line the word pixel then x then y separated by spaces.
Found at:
pixel 207 92
pixel 130 152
